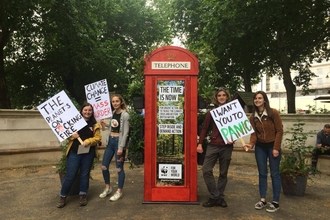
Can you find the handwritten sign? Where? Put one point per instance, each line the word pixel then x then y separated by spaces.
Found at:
pixel 97 95
pixel 62 116
pixel 231 121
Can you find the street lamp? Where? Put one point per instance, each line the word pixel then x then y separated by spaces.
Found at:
pixel 279 101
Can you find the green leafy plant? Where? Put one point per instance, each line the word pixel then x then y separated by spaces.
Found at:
pixel 136 147
pixel 296 162
pixel 312 109
pixel 200 119
pixel 61 166
pixel 136 87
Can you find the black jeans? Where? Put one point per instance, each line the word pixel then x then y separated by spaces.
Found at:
pixel 315 155
pixel 213 153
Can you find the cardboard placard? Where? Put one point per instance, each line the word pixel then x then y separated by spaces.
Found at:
pixel 231 121
pixel 62 116
pixel 97 95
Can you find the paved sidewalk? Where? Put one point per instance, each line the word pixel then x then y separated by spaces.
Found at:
pixel 32 193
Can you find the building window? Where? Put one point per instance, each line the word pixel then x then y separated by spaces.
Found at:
pixel 319 72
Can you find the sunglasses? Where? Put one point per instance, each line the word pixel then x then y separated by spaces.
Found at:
pixel 221 89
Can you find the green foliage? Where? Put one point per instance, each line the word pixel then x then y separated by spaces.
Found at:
pixel 61 166
pixel 136 145
pixel 295 163
pixel 136 87
pixel 49 46
pixel 200 120
pixel 312 110
pixel 250 38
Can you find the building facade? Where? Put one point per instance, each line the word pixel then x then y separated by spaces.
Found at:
pixel 274 87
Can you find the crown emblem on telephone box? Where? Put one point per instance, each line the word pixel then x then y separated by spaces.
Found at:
pixel 170 56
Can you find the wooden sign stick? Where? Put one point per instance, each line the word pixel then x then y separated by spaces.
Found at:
pixel 79 139
pixel 243 143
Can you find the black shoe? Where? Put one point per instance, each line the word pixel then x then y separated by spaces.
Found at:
pixel 83 200
pixel 210 203
pixel 222 203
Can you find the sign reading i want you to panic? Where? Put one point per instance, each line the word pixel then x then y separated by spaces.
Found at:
pixel 231 121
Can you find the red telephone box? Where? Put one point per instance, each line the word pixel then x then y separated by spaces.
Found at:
pixel 170 141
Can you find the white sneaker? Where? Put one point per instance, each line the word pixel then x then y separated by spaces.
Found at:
pixel 260 205
pixel 116 196
pixel 106 192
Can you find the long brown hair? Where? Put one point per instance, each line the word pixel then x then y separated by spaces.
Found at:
pixel 269 110
pixel 123 104
pixel 215 99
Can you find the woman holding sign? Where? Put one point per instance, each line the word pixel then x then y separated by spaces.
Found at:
pixel 267 139
pixel 117 144
pixel 216 150
pixel 80 153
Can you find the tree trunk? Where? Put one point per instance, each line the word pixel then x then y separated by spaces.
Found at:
pixel 4 94
pixel 69 86
pixel 290 90
pixel 285 65
pixel 247 80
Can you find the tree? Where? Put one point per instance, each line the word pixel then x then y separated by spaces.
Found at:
pixel 298 35
pixel 253 37
pixel 64 45
pixel 204 25
pixel 16 24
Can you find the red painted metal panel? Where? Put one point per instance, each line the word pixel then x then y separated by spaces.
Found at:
pixel 171 54
pixel 187 192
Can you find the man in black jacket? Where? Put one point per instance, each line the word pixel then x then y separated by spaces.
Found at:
pixel 322 145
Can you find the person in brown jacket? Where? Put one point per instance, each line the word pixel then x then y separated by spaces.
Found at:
pixel 216 150
pixel 267 139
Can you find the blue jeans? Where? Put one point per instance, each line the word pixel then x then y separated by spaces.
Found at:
pixel 109 152
pixel 78 162
pixel 262 154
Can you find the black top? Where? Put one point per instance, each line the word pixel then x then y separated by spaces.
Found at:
pixel 115 123
pixel 84 133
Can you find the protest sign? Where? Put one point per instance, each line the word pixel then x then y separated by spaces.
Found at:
pixel 98 96
pixel 62 116
pixel 170 109
pixel 231 121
